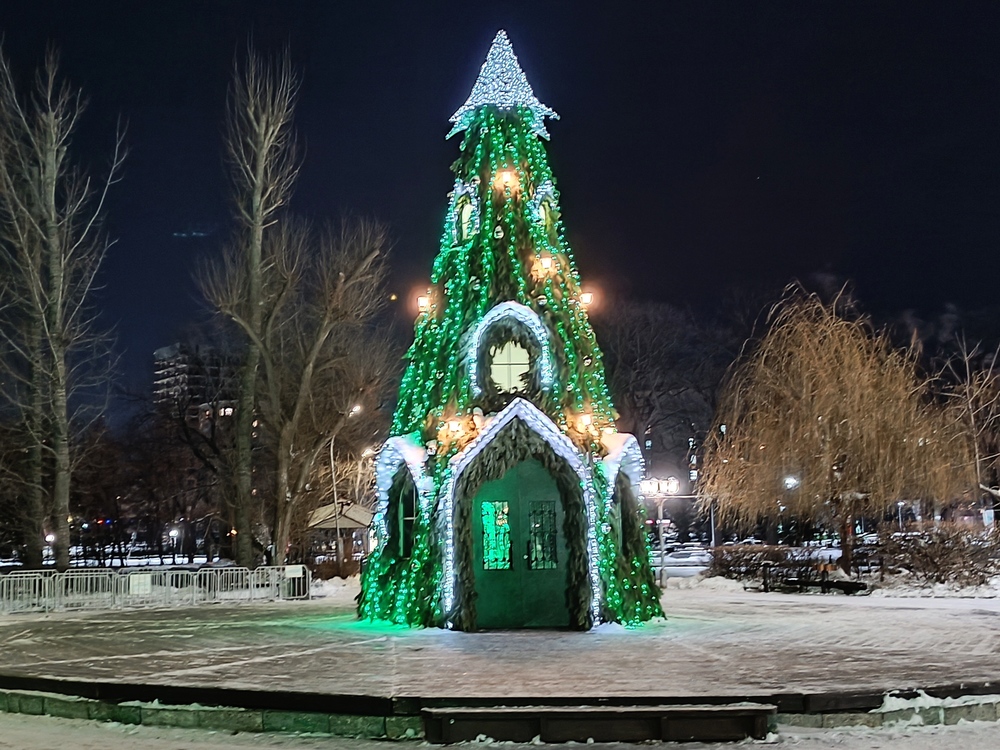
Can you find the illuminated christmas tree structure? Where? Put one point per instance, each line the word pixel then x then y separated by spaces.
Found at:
pixel 506 496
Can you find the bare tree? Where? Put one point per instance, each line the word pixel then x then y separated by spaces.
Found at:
pixel 264 164
pixel 825 420
pixel 322 364
pixel 974 389
pixel 664 369
pixel 52 248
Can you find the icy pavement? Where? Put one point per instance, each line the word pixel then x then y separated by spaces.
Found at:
pixel 21 732
pixel 717 640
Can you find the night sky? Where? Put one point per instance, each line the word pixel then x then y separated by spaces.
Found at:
pixel 702 146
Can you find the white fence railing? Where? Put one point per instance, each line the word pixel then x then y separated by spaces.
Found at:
pixel 102 589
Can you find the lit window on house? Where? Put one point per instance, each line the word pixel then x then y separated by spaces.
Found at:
pixel 509 367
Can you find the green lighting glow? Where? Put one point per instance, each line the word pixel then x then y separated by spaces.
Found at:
pixel 503 241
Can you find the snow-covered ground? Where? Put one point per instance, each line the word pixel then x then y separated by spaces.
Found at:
pixel 20 732
pixel 717 640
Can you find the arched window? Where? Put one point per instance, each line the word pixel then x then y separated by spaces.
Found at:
pixel 464 209
pixel 542 206
pixel 544 214
pixel 464 219
pixel 510 352
pixel 402 513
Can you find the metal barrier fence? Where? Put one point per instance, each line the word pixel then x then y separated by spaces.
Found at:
pixel 103 589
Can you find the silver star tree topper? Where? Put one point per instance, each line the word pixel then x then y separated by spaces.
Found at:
pixel 502 83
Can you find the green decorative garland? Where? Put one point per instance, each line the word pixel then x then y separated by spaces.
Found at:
pixel 631 595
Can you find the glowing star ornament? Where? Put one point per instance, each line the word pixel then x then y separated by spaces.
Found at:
pixel 502 84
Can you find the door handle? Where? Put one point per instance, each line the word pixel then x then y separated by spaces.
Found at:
pixel 527 552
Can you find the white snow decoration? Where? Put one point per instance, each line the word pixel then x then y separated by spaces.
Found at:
pixel 460 190
pixel 399 450
pixel 530 320
pixel 623 454
pixel 563 447
pixel 502 83
pixel 546 191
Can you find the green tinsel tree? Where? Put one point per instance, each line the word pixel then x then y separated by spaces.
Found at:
pixel 503 253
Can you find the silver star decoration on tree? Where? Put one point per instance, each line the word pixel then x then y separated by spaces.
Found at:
pixel 502 83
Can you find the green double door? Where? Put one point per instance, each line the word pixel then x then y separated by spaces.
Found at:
pixel 519 551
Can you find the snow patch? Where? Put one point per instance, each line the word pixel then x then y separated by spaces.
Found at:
pixel 706 583
pixel 922 700
pixel 904 587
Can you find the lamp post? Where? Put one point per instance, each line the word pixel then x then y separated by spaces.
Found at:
pixel 355 410
pixel 660 490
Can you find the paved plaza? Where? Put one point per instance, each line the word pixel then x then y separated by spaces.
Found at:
pixel 714 642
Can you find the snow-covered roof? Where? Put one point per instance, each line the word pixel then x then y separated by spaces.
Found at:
pixel 623 454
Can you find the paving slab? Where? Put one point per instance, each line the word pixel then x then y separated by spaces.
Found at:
pixel 713 643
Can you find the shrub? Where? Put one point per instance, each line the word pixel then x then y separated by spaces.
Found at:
pixel 943 553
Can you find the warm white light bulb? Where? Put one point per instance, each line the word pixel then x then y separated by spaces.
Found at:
pixel 586 298
pixel 506 179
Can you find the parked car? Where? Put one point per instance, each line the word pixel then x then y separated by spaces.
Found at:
pixel 683 562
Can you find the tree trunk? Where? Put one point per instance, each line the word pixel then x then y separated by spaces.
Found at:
pixel 243 502
pixel 34 511
pixel 61 465
pixel 54 312
pixel 847 544
pixel 282 505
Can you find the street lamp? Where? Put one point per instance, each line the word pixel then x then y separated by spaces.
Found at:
pixel 173 534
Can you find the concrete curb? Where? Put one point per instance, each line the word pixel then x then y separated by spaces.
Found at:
pixel 206 717
pixel 410 727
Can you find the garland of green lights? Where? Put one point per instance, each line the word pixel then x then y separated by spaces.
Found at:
pixel 403 590
pixel 631 595
pixel 469 277
pixel 513 444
